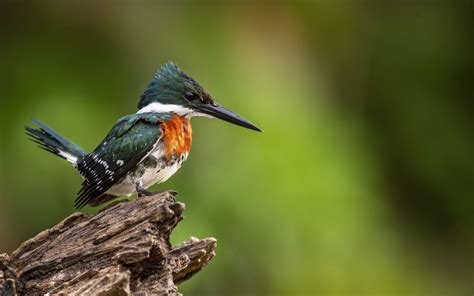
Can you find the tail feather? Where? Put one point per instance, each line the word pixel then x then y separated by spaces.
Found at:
pixel 51 141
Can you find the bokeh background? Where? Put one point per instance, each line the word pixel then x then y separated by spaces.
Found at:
pixel 362 182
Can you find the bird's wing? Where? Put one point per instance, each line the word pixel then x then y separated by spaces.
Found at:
pixel 129 141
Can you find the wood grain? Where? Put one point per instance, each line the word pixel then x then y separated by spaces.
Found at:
pixel 122 250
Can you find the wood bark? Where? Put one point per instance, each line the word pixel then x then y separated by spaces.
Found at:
pixel 122 250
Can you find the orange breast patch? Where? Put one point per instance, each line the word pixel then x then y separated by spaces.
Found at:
pixel 177 135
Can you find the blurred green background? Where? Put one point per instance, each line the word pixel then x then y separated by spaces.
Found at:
pixel 362 182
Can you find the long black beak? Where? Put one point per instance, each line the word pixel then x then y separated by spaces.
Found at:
pixel 218 111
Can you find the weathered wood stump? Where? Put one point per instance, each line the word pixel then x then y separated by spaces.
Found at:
pixel 122 250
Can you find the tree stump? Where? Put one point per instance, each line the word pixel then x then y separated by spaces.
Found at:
pixel 122 250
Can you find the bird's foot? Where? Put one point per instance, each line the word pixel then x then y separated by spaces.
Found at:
pixel 143 192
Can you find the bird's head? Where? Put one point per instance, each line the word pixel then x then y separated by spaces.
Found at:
pixel 172 90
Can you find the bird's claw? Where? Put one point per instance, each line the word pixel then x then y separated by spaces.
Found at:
pixel 143 192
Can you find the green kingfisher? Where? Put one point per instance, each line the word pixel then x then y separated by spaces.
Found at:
pixel 144 148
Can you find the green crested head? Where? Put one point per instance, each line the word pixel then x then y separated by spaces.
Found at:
pixel 173 91
pixel 172 86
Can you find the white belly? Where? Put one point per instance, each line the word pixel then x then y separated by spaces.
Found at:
pixel 148 176
pixel 153 176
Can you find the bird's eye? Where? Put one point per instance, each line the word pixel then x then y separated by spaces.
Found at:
pixel 190 96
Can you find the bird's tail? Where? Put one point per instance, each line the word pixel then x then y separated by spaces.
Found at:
pixel 52 141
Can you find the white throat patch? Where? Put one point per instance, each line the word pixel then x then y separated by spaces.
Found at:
pixel 167 108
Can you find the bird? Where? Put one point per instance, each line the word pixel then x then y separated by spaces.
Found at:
pixel 143 148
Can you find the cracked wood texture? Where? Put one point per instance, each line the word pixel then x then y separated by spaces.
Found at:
pixel 122 250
